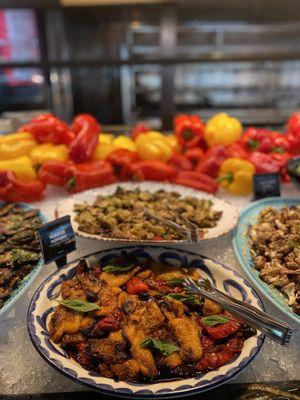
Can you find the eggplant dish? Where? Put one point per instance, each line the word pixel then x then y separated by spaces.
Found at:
pixel 19 246
pixel 141 215
pixel 133 321
pixel 275 249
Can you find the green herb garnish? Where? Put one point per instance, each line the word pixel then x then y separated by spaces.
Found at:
pixel 186 298
pixel 213 320
pixel 176 281
pixel 164 347
pixel 79 305
pixel 117 268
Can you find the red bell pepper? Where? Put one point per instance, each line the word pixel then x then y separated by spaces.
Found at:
pixel 189 130
pixel 293 126
pixel 46 128
pixel 212 161
pixel 136 285
pixel 121 159
pixel 87 131
pixel 196 180
pixel 180 162
pixel 14 190
pixel 280 143
pixel 53 173
pixel 237 150
pixel 79 177
pixel 282 159
pixel 152 170
pixel 294 143
pixel 195 155
pixel 264 163
pixel 138 129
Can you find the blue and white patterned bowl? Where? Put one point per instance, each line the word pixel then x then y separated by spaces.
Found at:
pixel 28 279
pixel 43 304
pixel 242 250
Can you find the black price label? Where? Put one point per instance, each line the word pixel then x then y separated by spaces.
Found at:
pixel 57 239
pixel 266 185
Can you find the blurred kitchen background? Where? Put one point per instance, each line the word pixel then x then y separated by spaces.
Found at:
pixel 128 62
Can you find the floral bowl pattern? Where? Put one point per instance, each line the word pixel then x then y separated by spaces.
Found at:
pixel 43 304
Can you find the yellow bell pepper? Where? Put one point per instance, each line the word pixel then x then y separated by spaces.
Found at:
pixel 21 166
pixel 236 175
pixel 153 146
pixel 49 152
pixel 106 138
pixel 222 129
pixel 16 145
pixel 102 151
pixel 124 142
pixel 172 139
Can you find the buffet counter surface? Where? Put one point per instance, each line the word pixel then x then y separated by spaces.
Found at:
pixel 23 371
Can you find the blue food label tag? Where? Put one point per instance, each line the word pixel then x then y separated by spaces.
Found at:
pixel 57 239
pixel 266 185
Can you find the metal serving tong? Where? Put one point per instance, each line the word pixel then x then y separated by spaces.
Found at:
pixel 274 328
pixel 191 231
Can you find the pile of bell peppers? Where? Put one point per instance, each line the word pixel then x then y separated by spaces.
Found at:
pixel 203 156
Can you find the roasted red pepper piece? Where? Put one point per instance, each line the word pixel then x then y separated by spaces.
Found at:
pixel 221 355
pixel 136 285
pixel 79 177
pixel 139 128
pixel 195 155
pixel 189 130
pixel 237 150
pixel 87 131
pixel 46 128
pixel 196 180
pixel 53 173
pixel 121 159
pixel 152 170
pixel 180 162
pixel 264 163
pixel 220 331
pixel 14 190
pixel 212 161
pixel 207 343
pixel 111 322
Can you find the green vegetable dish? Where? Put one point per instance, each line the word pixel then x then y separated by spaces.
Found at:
pixel 19 246
pixel 141 215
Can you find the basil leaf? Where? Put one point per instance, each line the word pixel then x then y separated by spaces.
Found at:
pixel 186 298
pixel 176 281
pixel 79 305
pixel 212 320
pixel 115 268
pixel 164 347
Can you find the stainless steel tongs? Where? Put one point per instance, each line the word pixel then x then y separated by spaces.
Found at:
pixel 272 327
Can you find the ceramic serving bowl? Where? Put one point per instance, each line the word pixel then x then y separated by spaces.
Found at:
pixel 42 306
pixel 226 223
pixel 242 251
pixel 28 279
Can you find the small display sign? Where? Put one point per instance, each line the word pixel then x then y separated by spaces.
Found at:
pixel 57 239
pixel 266 185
